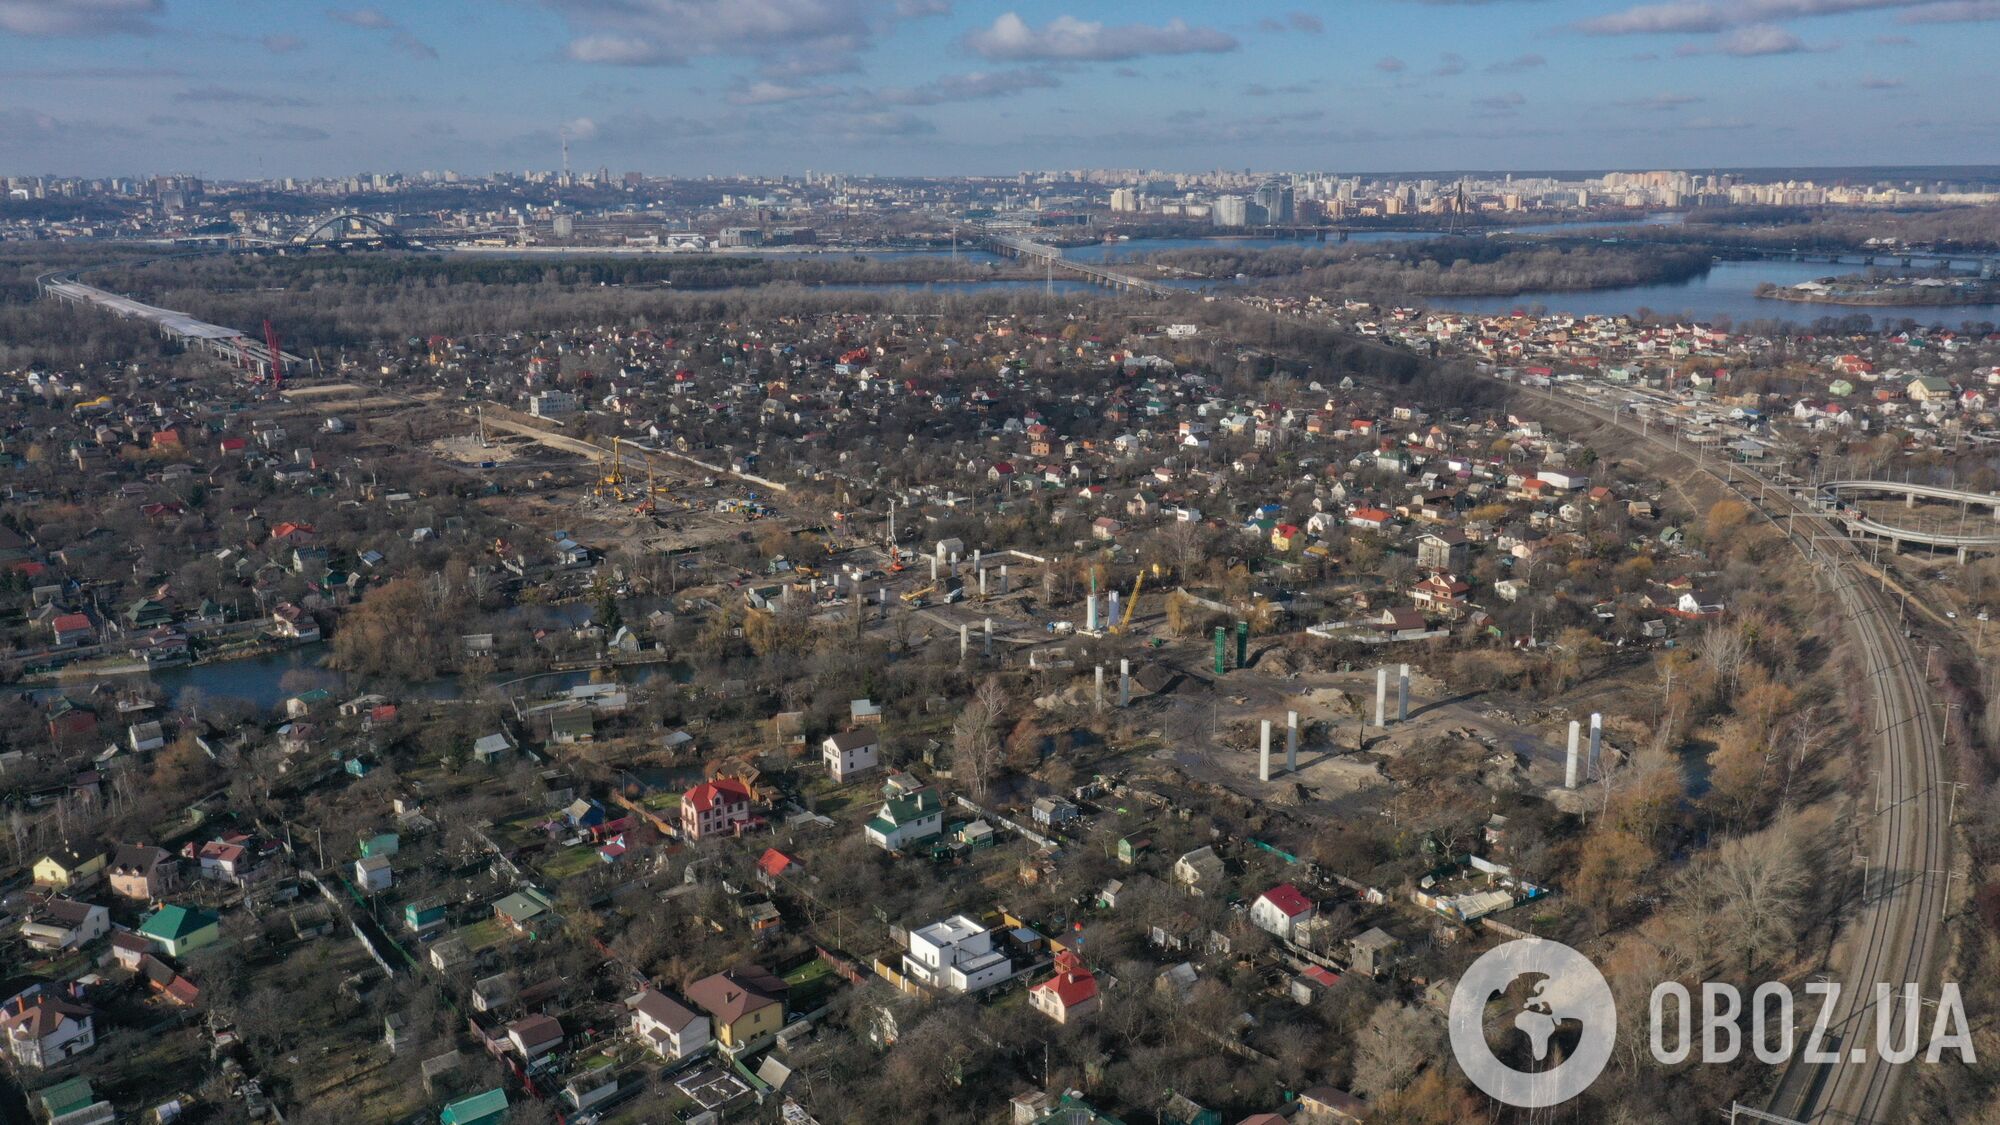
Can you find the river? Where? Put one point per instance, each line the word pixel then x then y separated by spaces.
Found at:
pixel 1728 291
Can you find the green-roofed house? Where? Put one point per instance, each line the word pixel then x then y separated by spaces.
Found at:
pixel 489 1108
pixel 73 1102
pixel 180 930
pixel 388 843
pixel 907 819
pixel 522 909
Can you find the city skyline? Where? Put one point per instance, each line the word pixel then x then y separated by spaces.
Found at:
pixel 695 87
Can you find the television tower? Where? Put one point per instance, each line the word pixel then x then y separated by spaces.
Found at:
pixel 563 132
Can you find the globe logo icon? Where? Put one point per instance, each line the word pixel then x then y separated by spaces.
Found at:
pixel 1565 997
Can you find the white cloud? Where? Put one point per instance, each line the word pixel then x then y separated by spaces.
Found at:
pixel 976 86
pixel 1954 11
pixel 79 18
pixel 1070 39
pixel 372 19
pixel 666 32
pixel 1699 17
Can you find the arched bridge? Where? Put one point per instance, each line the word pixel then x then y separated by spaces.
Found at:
pixel 1963 540
pixel 349 230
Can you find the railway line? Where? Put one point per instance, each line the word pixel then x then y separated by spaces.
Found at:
pixel 1896 935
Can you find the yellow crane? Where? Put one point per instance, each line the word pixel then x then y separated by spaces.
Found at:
pixel 1125 619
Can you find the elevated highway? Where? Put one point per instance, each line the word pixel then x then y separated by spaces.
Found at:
pixel 1965 540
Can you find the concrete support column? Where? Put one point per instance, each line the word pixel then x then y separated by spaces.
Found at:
pixel 1124 683
pixel 1098 698
pixel 1005 587
pixel 1111 613
pixel 1090 613
pixel 1571 763
pixel 1264 754
pixel 1596 744
pixel 1403 695
pixel 1381 697
pixel 1291 741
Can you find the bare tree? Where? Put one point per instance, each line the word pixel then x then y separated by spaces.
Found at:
pixel 975 741
pixel 1398 1040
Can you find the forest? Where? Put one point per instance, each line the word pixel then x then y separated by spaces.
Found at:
pixel 1458 267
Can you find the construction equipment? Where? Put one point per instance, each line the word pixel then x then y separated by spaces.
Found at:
pixel 1125 619
pixel 277 358
pixel 915 598
pixel 613 481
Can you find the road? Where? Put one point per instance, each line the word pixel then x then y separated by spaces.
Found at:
pixel 1897 934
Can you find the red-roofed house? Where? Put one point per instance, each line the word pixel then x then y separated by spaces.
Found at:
pixel 713 807
pixel 1280 910
pixel 1069 995
pixel 73 629
pixel 1368 519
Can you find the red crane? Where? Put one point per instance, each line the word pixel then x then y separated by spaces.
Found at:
pixel 277 357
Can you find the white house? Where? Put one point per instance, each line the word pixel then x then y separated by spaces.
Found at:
pixel 61 924
pixel 957 955
pixel 372 873
pixel 672 1030
pixel 851 753
pixel 906 819
pixel 1199 871
pixel 1280 910
pixel 44 1029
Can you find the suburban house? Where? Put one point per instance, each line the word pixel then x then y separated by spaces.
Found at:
pixel 489 1108
pixel 957 955
pixel 1326 1105
pixel 522 909
pixel 1069 995
pixel 534 1036
pixel 490 748
pixel 142 872
pixel 45 1029
pixel 69 868
pixel 672 1030
pixel 1199 871
pixel 373 873
pixel 714 807
pixel 72 629
pixel 745 1004
pixel 906 819
pixel 1281 910
pixel 233 859
pixel 851 753
pixel 62 924
pixel 180 930
pixel 293 623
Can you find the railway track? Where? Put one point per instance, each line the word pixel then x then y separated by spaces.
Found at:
pixel 1896 936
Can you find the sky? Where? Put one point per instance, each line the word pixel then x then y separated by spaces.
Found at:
pixel 266 88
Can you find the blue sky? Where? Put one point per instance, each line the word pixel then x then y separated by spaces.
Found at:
pixel 230 88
